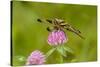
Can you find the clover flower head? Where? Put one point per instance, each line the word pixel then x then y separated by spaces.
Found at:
pixel 36 58
pixel 57 37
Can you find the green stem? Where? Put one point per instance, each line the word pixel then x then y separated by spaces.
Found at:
pixel 50 52
pixel 61 59
pixel 62 52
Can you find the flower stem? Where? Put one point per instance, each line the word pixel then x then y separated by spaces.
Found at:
pixel 50 52
pixel 61 59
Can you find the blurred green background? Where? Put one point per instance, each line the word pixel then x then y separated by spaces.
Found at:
pixel 29 35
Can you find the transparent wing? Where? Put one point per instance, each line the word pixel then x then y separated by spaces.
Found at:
pixel 44 21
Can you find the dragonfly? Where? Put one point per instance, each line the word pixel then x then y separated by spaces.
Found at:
pixel 59 24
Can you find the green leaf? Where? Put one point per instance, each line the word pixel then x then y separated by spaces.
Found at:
pixel 20 58
pixel 50 52
pixel 61 50
pixel 68 49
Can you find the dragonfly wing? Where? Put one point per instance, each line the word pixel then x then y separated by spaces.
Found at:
pixel 75 29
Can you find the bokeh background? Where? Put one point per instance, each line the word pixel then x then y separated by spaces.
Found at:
pixel 29 35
